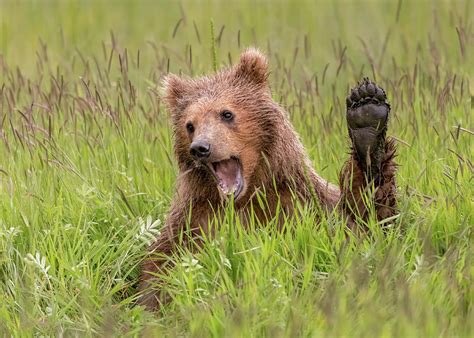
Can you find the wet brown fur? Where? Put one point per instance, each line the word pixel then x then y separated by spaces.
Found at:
pixel 272 156
pixel 354 186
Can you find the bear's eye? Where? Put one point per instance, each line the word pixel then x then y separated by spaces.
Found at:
pixel 227 115
pixel 189 127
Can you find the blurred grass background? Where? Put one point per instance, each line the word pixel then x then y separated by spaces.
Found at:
pixel 86 168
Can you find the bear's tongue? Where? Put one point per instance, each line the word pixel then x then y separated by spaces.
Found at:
pixel 229 176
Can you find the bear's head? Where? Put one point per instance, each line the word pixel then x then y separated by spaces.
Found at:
pixel 224 123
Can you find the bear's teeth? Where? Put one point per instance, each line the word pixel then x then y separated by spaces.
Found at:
pixel 227 190
pixel 228 174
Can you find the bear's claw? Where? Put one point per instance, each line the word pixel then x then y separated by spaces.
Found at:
pixel 367 117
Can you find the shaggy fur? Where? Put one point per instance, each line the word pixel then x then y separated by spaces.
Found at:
pixel 272 156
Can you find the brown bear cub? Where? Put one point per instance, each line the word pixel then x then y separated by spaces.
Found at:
pixel 232 141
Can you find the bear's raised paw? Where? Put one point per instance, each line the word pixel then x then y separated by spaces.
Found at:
pixel 367 117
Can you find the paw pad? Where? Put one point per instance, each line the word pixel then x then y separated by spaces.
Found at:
pixel 367 117
pixel 366 92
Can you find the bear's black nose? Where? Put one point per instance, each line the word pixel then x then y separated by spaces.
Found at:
pixel 200 149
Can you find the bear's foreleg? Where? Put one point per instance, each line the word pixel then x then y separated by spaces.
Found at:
pixel 368 177
pixel 154 266
pixel 182 229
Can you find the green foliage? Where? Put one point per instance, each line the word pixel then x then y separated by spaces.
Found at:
pixel 87 169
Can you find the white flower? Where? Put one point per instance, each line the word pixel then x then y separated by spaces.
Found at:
pixel 276 284
pixel 190 264
pixel 10 233
pixel 39 262
pixel 148 230
pixel 419 263
pixel 226 262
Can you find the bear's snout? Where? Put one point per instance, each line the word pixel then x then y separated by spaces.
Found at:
pixel 200 149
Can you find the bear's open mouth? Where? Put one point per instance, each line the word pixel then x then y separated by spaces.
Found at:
pixel 228 174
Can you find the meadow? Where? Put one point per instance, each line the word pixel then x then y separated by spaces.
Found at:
pixel 87 169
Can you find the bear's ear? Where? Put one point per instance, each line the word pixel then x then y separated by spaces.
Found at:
pixel 252 67
pixel 174 91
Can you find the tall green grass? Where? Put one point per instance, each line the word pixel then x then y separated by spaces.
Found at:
pixel 87 169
